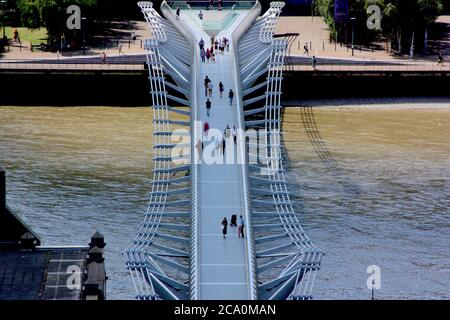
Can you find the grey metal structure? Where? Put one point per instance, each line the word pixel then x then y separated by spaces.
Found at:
pixel 173 256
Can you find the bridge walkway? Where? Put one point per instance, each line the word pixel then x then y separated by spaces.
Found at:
pixel 222 262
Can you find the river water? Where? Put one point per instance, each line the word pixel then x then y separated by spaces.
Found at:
pixel 373 187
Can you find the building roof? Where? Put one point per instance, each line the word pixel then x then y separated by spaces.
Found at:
pixel 29 271
pixel 43 273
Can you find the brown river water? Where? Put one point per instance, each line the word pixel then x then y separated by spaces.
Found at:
pixel 372 187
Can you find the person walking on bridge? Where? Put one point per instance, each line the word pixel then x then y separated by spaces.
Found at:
pixel 224 227
pixel 241 227
pixel 203 54
pixel 201 43
pixel 231 96
pixel 221 89
pixel 178 13
pixel 206 128
pixel 207 80
pixel 210 88
pixel 208 54
pixel 208 107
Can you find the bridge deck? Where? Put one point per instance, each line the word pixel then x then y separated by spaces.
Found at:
pixel 222 262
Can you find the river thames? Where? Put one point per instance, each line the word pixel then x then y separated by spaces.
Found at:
pixel 372 186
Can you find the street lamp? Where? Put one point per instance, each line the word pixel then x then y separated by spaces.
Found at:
pixel 83 26
pixel 353 19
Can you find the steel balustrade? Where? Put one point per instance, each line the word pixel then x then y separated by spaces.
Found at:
pixel 285 273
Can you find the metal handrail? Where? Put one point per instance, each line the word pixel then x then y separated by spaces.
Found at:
pixel 250 241
pixel 194 256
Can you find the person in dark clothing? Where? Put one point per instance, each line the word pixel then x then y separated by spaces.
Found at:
pixel 208 107
pixel 207 80
pixel 440 58
pixel 224 142
pixel 230 96
pixel 221 89
pixel 224 227
pixel 178 13
pixel 233 220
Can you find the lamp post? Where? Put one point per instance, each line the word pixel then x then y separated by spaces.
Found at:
pixel 353 19
pixel 83 26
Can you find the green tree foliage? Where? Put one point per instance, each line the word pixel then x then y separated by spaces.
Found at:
pixel 51 14
pixel 401 19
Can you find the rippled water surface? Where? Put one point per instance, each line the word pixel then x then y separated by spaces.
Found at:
pixel 373 187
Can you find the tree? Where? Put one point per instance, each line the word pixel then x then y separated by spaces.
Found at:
pixel 52 15
pixel 401 19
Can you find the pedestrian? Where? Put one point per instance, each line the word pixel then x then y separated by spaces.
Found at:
pixel 440 58
pixel 219 4
pixel 210 89
pixel 104 58
pixel 208 107
pixel 208 54
pixel 213 58
pixel 178 13
pixel 233 220
pixel 203 54
pixel 206 81
pixel 228 45
pixel 231 96
pixel 211 4
pixel 199 147
pixel 314 62
pixel 205 128
pixel 221 89
pixel 234 134
pixel 120 48
pixel 241 227
pixel 224 143
pixel 200 15
pixel 305 47
pixel 227 132
pixel 201 43
pixel 216 45
pixel 224 227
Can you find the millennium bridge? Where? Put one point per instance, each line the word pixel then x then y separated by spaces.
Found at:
pixel 201 176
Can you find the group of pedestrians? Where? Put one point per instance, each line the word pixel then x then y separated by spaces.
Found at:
pixel 219 5
pixel 209 92
pixel 208 54
pixel 219 46
pixel 233 223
